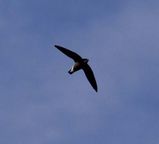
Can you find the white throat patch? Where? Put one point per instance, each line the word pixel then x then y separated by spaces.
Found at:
pixel 72 68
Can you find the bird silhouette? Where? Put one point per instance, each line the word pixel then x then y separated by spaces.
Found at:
pixel 80 63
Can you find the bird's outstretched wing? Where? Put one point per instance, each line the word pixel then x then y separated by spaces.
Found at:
pixel 69 53
pixel 90 76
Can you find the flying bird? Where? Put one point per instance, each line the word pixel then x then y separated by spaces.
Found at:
pixel 80 63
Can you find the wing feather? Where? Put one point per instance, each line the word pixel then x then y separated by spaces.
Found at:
pixel 90 76
pixel 69 53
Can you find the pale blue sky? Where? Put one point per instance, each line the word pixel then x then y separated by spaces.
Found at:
pixel 40 103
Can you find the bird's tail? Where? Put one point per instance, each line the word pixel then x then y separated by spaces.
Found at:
pixel 70 72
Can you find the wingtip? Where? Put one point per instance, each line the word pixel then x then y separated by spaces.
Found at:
pixel 56 46
pixel 95 88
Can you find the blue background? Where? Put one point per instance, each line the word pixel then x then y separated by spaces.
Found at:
pixel 40 103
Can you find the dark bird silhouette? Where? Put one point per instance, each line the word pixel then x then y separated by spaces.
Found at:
pixel 80 63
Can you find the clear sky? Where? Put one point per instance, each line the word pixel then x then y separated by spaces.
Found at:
pixel 40 103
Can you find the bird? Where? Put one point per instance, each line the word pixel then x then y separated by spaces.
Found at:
pixel 79 63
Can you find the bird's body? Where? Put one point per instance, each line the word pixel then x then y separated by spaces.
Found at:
pixel 80 63
pixel 78 66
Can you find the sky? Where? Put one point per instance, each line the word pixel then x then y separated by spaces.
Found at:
pixel 40 103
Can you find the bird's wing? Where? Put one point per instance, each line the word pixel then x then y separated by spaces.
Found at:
pixel 90 76
pixel 69 53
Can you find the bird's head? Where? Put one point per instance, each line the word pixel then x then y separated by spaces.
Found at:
pixel 85 60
